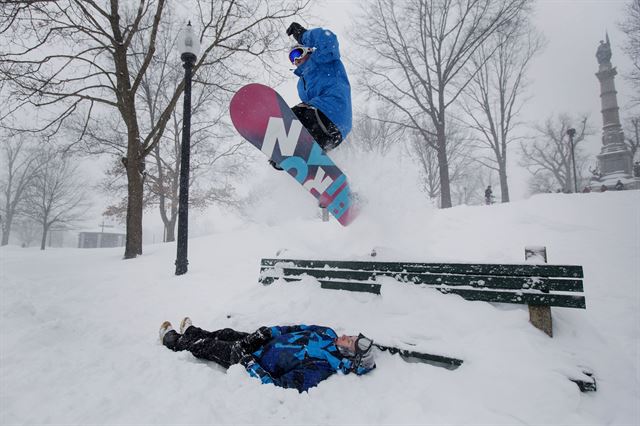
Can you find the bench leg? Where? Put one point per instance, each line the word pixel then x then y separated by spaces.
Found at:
pixel 540 317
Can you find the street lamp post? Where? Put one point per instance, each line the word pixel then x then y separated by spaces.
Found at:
pixel 189 47
pixel 571 133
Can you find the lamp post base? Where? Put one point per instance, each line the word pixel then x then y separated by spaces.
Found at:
pixel 181 266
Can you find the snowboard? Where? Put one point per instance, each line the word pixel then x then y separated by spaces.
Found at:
pixel 263 118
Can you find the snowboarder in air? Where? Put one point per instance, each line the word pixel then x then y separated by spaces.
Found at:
pixel 323 86
pixel 298 356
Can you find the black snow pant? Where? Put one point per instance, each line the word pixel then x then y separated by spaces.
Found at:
pixel 225 347
pixel 321 128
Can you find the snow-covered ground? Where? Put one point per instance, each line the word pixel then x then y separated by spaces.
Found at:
pixel 79 327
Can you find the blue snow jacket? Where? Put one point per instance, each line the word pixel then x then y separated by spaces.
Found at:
pixel 300 357
pixel 323 80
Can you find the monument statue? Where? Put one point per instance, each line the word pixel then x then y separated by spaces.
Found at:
pixel 604 52
pixel 614 160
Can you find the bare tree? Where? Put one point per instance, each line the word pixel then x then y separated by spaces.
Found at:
pixel 20 163
pixel 215 158
pixel 494 98
pixel 418 59
pixel 542 182
pixel 470 184
pixel 57 196
pixel 95 65
pixel 28 230
pixel 216 165
pixel 630 26
pixel 459 159
pixel 217 161
pixel 372 135
pixel 632 135
pixel 549 152
pixel 427 158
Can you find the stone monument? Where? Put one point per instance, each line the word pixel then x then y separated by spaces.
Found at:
pixel 614 160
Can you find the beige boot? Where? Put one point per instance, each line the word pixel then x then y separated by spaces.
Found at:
pixel 165 327
pixel 184 324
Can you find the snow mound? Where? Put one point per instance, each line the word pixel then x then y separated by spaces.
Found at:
pixel 79 337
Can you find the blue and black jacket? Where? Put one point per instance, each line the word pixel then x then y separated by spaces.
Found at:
pixel 323 79
pixel 300 357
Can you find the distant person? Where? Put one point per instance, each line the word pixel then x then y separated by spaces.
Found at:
pixel 603 188
pixel 636 169
pixel 586 189
pixel 619 185
pixel 297 356
pixel 488 195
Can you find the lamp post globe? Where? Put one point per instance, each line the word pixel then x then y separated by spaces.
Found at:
pixel 189 47
pixel 188 43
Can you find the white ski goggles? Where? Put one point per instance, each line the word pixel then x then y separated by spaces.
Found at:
pixel 298 53
pixel 362 346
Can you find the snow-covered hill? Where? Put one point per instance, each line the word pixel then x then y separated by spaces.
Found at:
pixel 78 342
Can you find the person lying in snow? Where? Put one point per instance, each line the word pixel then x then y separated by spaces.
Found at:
pixel 297 356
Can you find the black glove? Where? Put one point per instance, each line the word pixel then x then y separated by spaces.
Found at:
pixel 257 339
pixel 296 30
pixel 238 352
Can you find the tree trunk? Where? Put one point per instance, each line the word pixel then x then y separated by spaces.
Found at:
pixel 6 228
pixel 443 167
pixel 43 240
pixel 170 229
pixel 133 245
pixel 170 223
pixel 135 189
pixel 168 218
pixel 134 163
pixel 135 167
pixel 504 185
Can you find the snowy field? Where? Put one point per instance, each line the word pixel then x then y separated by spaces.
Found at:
pixel 79 327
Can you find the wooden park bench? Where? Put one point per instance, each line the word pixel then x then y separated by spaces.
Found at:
pixel 538 285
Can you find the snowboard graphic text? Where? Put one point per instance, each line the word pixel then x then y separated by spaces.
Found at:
pixel 276 133
pixel 263 118
pixel 315 180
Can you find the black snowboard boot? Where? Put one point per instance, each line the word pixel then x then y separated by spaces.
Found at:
pixel 274 165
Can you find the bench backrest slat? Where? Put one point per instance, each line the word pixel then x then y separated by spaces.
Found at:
pixel 566 301
pixel 480 281
pixel 567 271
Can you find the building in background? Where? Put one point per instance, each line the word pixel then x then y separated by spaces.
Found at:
pixel 101 239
